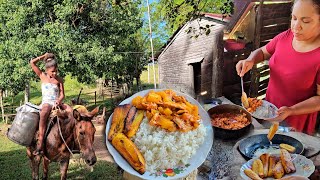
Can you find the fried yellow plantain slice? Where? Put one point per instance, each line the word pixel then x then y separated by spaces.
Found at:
pixel 117 124
pixel 130 152
pixel 133 126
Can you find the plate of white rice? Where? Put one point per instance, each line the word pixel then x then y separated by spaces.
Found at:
pixel 169 155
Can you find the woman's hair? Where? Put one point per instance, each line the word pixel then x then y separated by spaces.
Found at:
pixel 50 60
pixel 316 4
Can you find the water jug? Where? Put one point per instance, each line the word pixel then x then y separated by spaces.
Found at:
pixel 24 124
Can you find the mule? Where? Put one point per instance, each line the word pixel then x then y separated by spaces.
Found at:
pixel 77 133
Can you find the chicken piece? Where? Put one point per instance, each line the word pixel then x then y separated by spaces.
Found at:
pixel 183 126
pixel 177 98
pixel 286 161
pixel 174 105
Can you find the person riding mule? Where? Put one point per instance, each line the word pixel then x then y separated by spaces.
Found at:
pixel 70 133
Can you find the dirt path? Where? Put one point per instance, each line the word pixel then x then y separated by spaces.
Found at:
pixel 100 144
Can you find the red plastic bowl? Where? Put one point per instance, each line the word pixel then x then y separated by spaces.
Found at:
pixel 233 45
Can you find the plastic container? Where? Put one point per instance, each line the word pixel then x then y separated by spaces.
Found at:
pixel 24 124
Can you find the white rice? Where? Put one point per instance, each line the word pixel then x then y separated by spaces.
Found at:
pixel 163 150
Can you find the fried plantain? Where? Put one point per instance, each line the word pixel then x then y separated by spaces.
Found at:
pixel 287 147
pixel 278 171
pixel 133 126
pixel 130 152
pixel 272 131
pixel 251 174
pixel 286 161
pixel 265 162
pixel 117 124
pixel 272 163
pixel 257 167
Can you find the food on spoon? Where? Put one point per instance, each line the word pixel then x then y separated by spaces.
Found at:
pixel 251 174
pixel 257 167
pixel 244 100
pixel 278 171
pixel 265 162
pixel 272 131
pixel 117 124
pixel 286 161
pixel 272 164
pixel 129 151
pixel 133 125
pixel 287 147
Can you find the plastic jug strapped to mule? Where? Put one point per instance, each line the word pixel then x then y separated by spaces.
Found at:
pixel 24 124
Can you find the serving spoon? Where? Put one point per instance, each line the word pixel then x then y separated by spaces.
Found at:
pixel 244 98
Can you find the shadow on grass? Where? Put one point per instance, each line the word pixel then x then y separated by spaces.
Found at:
pixel 15 165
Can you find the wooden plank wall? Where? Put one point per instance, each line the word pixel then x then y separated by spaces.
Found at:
pixel 175 62
pixel 274 19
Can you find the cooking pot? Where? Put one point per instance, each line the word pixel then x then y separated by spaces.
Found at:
pixel 230 134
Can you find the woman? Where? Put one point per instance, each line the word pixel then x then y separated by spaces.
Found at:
pixel 52 92
pixel 294 84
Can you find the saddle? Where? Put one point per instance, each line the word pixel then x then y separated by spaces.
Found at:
pixel 52 120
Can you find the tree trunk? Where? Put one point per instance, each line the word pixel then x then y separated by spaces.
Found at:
pixel 27 92
pixel 1 104
pixel 138 83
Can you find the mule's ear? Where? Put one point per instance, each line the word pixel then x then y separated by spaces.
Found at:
pixel 95 111
pixel 76 115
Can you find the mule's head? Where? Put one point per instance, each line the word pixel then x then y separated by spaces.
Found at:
pixel 84 134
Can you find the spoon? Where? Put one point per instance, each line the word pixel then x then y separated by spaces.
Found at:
pixel 244 98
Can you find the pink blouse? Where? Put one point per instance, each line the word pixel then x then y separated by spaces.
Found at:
pixel 293 78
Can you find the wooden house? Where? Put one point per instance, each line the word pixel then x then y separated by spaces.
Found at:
pixel 190 62
pixel 202 67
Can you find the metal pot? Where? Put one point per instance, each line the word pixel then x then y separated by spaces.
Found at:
pixel 229 134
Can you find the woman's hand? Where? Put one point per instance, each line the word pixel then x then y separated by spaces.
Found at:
pixel 282 114
pixel 244 66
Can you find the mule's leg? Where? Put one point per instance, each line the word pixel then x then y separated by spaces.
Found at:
pixel 34 162
pixel 45 168
pixel 64 168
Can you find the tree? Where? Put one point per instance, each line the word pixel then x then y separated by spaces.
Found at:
pixel 84 35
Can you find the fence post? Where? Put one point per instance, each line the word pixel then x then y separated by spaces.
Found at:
pixel 95 97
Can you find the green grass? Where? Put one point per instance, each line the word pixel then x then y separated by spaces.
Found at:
pixel 14 164
pixel 144 75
